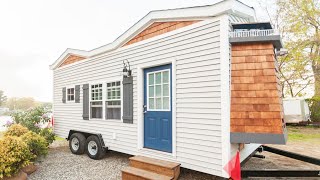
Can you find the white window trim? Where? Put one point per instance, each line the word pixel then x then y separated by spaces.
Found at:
pixel 154 72
pixel 90 96
pixel 140 97
pixel 104 99
pixel 74 94
pixel 121 101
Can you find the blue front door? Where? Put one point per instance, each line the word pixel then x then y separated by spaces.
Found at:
pixel 158 108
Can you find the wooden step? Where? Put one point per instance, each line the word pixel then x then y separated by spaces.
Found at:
pixel 157 166
pixel 131 173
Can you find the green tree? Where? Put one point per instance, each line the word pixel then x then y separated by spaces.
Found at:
pixel 300 20
pixel 3 98
pixel 295 71
pixel 296 75
pixel 24 103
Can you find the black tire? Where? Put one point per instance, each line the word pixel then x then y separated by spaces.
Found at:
pixel 81 143
pixel 99 153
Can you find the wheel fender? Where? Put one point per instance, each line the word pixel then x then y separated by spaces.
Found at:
pixel 87 134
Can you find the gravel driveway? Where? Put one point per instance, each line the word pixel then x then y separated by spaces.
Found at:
pixel 62 164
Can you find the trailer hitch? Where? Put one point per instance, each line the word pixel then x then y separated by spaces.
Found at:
pixel 292 155
pixel 280 173
pixel 283 173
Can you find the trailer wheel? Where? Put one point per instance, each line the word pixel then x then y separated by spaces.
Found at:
pixel 77 143
pixel 94 148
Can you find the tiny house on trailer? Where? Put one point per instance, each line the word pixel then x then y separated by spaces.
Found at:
pixel 189 86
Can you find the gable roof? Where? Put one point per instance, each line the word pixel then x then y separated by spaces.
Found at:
pixel 190 13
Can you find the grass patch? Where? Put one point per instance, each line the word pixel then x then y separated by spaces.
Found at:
pixel 57 138
pixel 1 134
pixel 303 134
pixel 299 136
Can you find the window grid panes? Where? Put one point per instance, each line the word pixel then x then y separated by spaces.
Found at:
pixel 96 109
pixel 113 91
pixel 159 90
pixel 70 94
pixel 113 101
pixel 96 92
pixel 96 105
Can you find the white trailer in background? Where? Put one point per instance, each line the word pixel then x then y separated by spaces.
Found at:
pixel 296 110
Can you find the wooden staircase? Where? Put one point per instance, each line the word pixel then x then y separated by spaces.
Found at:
pixel 144 168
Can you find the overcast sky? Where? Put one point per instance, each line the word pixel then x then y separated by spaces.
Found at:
pixel 34 33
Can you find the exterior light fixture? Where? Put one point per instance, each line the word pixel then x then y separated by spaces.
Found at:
pixel 126 69
pixel 282 52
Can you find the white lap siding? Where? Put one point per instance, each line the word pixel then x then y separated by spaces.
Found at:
pixel 237 19
pixel 195 49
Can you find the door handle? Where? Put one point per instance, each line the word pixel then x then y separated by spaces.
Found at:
pixel 144 108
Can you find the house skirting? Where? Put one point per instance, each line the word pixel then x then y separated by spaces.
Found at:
pixel 259 138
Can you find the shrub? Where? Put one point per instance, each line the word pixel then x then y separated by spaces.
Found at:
pixel 31 118
pixel 37 144
pixel 16 130
pixel 48 134
pixel 14 155
pixel 9 123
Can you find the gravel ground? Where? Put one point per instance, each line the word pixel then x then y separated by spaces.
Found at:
pixel 62 164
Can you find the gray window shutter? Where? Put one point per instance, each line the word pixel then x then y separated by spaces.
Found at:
pixel 77 94
pixel 85 100
pixel 64 95
pixel 127 100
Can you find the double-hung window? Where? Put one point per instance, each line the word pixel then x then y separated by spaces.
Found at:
pixel 113 100
pixel 70 94
pixel 96 100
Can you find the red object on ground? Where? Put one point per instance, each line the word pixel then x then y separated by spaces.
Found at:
pixel 52 121
pixel 233 167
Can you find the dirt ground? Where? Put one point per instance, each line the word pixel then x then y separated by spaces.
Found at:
pixel 302 140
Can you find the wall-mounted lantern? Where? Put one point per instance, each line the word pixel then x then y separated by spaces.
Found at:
pixel 282 52
pixel 126 69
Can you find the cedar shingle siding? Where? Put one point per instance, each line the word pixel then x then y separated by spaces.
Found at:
pixel 72 59
pixel 159 28
pixel 256 105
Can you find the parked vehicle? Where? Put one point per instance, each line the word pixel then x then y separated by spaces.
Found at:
pixel 180 85
pixel 296 110
pixel 3 110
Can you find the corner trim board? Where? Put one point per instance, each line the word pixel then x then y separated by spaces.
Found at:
pixel 225 91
